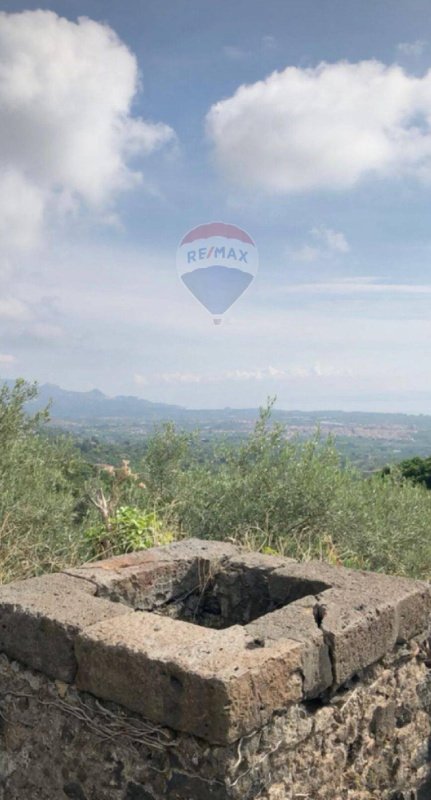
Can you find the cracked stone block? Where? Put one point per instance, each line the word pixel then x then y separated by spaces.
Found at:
pixel 40 618
pixel 365 621
pixel 214 684
pixel 358 631
pixel 148 579
pixel 297 621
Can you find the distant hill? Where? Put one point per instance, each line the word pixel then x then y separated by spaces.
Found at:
pixel 96 405
pixel 370 440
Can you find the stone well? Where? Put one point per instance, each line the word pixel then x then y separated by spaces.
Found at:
pixel 198 671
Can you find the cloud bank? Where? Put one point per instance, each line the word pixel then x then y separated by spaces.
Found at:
pixel 67 132
pixel 257 374
pixel 326 127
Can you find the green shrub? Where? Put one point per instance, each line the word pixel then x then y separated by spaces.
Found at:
pixel 296 498
pixel 39 491
pixel 417 470
pixel 127 530
pixel 269 492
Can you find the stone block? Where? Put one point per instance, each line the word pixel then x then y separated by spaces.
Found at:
pixel 40 618
pixel 297 622
pixel 294 580
pixel 148 579
pixel 215 684
pixel 367 614
pixel 358 629
pixel 412 601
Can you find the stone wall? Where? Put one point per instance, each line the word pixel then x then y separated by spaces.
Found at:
pixel 197 671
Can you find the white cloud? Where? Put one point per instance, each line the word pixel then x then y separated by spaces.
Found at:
pixel 297 372
pixel 11 308
pixel 326 243
pixel 6 359
pixel 67 132
pixel 325 127
pixel 334 241
pixel 415 48
pixel 21 208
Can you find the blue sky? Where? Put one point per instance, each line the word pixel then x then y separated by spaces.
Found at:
pixel 306 123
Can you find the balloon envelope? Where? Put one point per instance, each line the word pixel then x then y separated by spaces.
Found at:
pixel 217 262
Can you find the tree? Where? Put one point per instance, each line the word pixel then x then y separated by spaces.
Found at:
pixel 417 470
pixel 39 479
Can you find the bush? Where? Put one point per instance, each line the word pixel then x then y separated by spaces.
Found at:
pixel 127 530
pixel 296 498
pixel 417 470
pixel 269 492
pixel 38 491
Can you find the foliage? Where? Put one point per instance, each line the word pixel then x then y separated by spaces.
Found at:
pixel 168 454
pixel 57 510
pixel 417 470
pixel 295 497
pixel 128 529
pixel 268 491
pixel 122 528
pixel 38 490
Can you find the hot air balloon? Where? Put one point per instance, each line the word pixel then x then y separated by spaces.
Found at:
pixel 217 262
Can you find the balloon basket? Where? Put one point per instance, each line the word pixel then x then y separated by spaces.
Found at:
pixel 217 320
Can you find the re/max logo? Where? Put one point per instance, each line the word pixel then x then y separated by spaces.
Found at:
pixel 203 253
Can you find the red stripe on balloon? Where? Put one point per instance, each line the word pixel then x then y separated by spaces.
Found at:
pixel 217 229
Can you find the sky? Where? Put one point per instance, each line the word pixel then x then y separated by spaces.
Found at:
pixel 307 123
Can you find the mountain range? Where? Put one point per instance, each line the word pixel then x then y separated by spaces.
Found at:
pixel 97 406
pixel 369 439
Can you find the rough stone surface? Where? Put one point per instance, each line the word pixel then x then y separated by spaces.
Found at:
pixel 363 622
pixel 204 672
pixel 288 582
pixel 245 590
pixel 358 630
pixel 412 601
pixel 41 617
pixel 215 684
pixel 297 621
pixel 370 742
pixel 148 579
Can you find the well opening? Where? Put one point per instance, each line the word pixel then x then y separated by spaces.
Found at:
pixel 238 596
